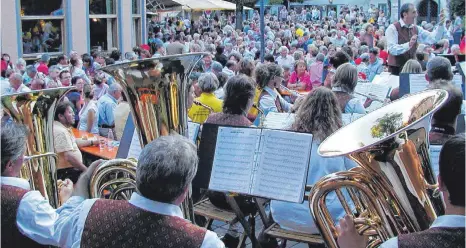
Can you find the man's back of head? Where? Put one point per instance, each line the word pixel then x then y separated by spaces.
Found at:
pixel 452 169
pixel 439 68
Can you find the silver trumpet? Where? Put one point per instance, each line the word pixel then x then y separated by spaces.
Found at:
pixel 157 91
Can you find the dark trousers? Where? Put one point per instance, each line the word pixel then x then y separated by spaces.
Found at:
pixel 394 70
pixel 70 173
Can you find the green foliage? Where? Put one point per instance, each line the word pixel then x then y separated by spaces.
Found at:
pixel 457 6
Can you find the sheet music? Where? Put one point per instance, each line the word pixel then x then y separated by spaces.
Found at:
pixel 417 83
pixel 458 81
pixel 275 120
pixel 135 147
pixel 234 158
pixel 282 170
pixel 434 157
pixel 374 105
pixel 348 118
pixel 378 91
pixel 389 80
pixel 193 131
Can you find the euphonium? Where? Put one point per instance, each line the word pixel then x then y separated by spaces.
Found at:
pixel 392 189
pixel 36 110
pixel 157 91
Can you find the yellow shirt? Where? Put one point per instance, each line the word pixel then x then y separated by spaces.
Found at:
pixel 64 141
pixel 199 114
pixel 253 111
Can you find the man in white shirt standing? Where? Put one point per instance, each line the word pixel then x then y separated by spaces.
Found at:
pixel 404 36
pixel 27 216
pixel 447 230
pixel 152 216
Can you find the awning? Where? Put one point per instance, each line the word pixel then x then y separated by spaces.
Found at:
pixel 197 5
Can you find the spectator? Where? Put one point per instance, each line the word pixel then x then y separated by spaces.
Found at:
pixel 106 107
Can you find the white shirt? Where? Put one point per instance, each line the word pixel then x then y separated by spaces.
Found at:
pixel 35 217
pixel 454 221
pixel 423 37
pixel 22 89
pixel 267 102
pixel 73 217
pixel 288 60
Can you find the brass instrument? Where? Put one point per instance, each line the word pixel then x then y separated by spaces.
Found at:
pixel 36 110
pixel 157 92
pixel 391 192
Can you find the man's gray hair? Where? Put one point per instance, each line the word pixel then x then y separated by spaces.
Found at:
pixel 114 87
pixel 283 48
pixel 17 76
pixel 323 49
pixel 13 139
pixel 165 168
pixel 320 57
pixel 208 82
pixel 21 61
pixel 439 68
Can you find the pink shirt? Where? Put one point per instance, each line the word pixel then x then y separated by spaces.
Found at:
pixel 316 73
pixel 305 78
pixel 43 68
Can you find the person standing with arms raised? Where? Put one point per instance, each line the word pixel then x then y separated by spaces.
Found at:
pixel 404 35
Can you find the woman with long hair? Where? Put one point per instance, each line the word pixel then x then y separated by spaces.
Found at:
pixel 76 96
pixel 89 113
pixel 319 115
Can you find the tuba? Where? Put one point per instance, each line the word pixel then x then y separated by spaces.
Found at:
pixel 36 110
pixel 393 189
pixel 157 92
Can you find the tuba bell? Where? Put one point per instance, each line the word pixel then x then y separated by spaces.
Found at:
pixel 157 92
pixel 393 189
pixel 36 110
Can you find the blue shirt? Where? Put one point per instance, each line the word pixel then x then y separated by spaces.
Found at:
pixel 374 69
pixel 106 105
pixel 297 217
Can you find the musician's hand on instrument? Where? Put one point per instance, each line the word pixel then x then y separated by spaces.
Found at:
pixel 413 41
pixel 65 189
pixel 82 186
pixel 348 236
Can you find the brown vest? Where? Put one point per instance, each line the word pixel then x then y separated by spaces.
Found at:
pixel 114 223
pixel 11 237
pixel 437 237
pixel 404 35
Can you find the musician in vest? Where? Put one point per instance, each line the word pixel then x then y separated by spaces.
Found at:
pixel 404 36
pixel 27 217
pixel 152 217
pixel 269 78
pixel 447 230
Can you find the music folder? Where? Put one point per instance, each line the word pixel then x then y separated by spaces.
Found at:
pixel 266 163
pixel 413 83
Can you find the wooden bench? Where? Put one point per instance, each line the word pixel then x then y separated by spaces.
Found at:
pixel 207 209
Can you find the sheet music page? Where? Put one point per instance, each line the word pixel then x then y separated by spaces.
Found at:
pixel 374 105
pixel 234 159
pixel 282 170
pixel 379 91
pixel 193 131
pixel 434 156
pixel 275 120
pixel 417 83
pixel 362 88
pixel 381 79
pixel 135 147
pixel 348 118
pixel 457 81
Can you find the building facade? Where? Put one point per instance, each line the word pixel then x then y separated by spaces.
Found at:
pixel 33 27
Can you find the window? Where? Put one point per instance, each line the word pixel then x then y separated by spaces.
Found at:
pixel 42 27
pixel 136 26
pixel 103 24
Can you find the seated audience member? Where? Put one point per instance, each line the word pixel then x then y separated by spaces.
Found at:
pixel 53 80
pixel 319 114
pixel 300 78
pixel 37 84
pixel 16 84
pixel 239 95
pixel 27 216
pixel 207 83
pixel 375 65
pixel 335 61
pixel 315 71
pixel 343 85
pixel 222 80
pixel 447 230
pixel 230 68
pixel 165 170
pixel 89 113
pixel 106 108
pixel 76 97
pixel 100 86
pixel 70 160
pixel 121 114
pixel 269 78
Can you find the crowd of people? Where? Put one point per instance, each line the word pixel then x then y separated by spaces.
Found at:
pixel 311 67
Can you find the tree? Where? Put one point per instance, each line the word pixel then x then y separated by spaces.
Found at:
pixel 457 6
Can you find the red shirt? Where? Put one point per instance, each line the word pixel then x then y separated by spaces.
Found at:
pixel 43 68
pixel 358 61
pixel 305 78
pixel 463 46
pixel 383 55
